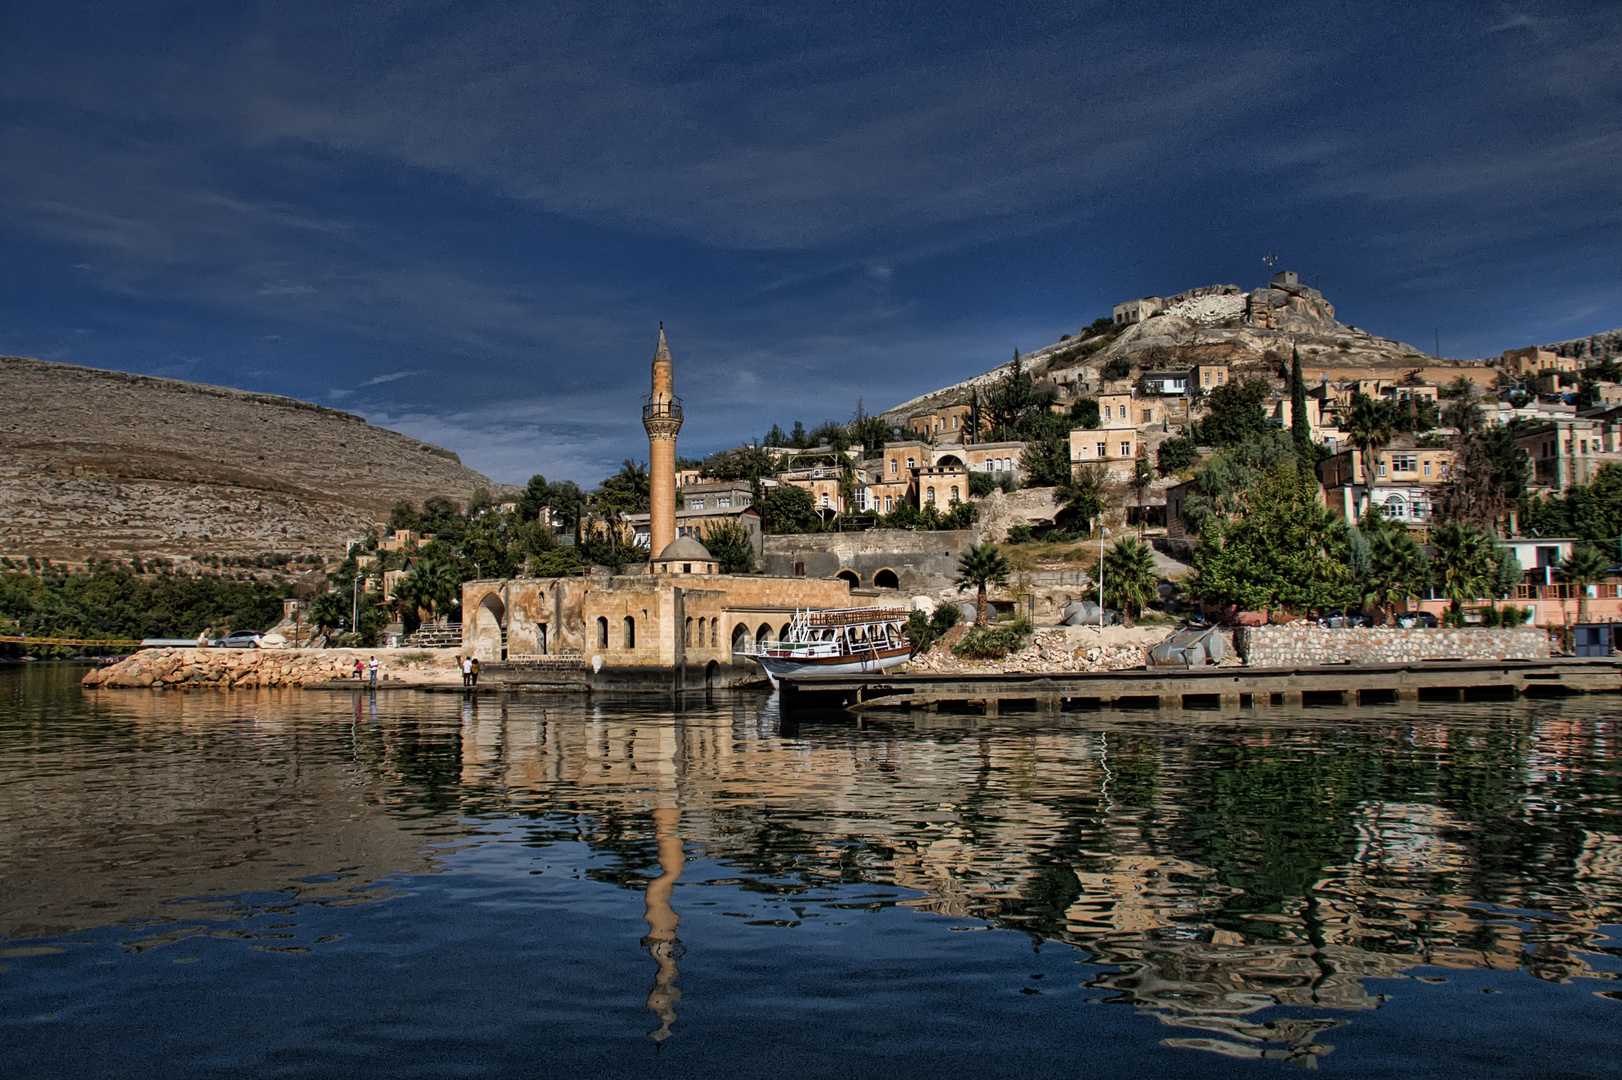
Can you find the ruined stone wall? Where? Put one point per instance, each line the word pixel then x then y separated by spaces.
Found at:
pixel 1308 646
pixel 923 562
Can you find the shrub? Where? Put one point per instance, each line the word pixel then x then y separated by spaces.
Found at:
pixel 1176 455
pixel 1118 367
pixel 922 631
pixel 1020 534
pixel 993 642
pixel 982 484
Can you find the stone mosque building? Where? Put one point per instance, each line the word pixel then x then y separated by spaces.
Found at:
pixel 672 625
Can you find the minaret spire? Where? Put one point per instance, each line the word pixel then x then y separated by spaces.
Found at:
pixel 661 416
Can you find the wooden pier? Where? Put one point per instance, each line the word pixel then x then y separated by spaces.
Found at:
pixel 1218 689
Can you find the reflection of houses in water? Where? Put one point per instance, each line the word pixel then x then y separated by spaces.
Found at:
pixel 971 824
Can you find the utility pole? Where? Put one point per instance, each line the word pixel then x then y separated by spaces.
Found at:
pixel 1437 351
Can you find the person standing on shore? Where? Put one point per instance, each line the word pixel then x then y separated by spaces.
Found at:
pixel 467 671
pixel 372 666
pixel 473 670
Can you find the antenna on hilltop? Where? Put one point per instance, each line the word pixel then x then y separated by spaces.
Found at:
pixel 1270 259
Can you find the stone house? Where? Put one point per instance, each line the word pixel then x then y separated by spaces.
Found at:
pixel 1209 376
pixel 1115 447
pixel 1533 361
pixel 945 424
pixel 1566 452
pixel 943 486
pixel 1136 311
pixel 1405 480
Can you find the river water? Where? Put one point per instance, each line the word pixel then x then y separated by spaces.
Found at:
pixel 315 884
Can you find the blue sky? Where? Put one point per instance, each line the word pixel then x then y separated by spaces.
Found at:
pixel 465 221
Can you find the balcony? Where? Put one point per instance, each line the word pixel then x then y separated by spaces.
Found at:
pixel 661 410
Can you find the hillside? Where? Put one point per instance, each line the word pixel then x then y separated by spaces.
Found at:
pixel 1216 324
pixel 102 462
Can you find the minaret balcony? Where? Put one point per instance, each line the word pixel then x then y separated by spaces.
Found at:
pixel 666 411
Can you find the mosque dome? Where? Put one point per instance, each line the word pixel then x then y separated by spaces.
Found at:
pixel 685 548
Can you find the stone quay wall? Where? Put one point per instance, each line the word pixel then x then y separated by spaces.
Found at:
pixel 182 669
pixel 1308 646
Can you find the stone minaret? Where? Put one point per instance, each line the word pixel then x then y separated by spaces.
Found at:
pixel 661 415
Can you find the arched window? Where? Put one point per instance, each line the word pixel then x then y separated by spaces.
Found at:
pixel 630 632
pixel 782 633
pixel 740 637
pixel 929 495
pixel 687 632
pixel 955 497
pixel 886 579
pixel 602 632
pixel 701 638
pixel 763 634
pixel 715 629
pixel 849 577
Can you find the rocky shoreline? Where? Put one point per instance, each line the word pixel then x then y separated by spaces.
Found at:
pixel 230 669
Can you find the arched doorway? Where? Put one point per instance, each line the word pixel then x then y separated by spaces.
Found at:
pixel 763 634
pixel 886 579
pixel 488 635
pixel 740 637
pixel 850 578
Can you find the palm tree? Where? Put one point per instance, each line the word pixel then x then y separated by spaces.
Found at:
pixel 1463 566
pixel 433 586
pixel 980 566
pixel 1401 570
pixel 1130 577
pixel 329 610
pixel 1582 568
pixel 1370 425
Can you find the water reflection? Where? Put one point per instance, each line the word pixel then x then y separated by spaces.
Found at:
pixel 1220 873
pixel 661 940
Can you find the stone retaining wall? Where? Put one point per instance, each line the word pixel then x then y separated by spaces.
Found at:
pixel 1307 646
pixel 232 668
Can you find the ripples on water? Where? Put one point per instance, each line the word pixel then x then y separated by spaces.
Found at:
pixel 308 884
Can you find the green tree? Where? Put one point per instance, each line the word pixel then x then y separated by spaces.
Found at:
pixel 1176 454
pixel 870 431
pixel 1236 413
pixel 1370 425
pixel 1084 412
pixel 329 610
pixel 1281 549
pixel 1300 429
pixel 1082 500
pixel 1400 569
pixel 1462 412
pixel 1585 566
pixel 731 545
pixel 789 509
pixel 979 567
pixel 1046 463
pixel 1462 564
pixel 1130 577
pixel 626 492
pixel 749 463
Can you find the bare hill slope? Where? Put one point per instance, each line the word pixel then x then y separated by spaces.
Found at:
pixel 103 462
pixel 1215 324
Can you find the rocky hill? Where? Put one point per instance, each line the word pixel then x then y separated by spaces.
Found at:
pixel 97 462
pixel 1606 346
pixel 1215 324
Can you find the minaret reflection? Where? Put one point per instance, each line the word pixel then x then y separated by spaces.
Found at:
pixel 661 940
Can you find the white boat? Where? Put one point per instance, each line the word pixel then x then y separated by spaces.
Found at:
pixel 839 641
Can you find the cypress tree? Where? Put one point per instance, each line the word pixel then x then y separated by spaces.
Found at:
pixel 1300 430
